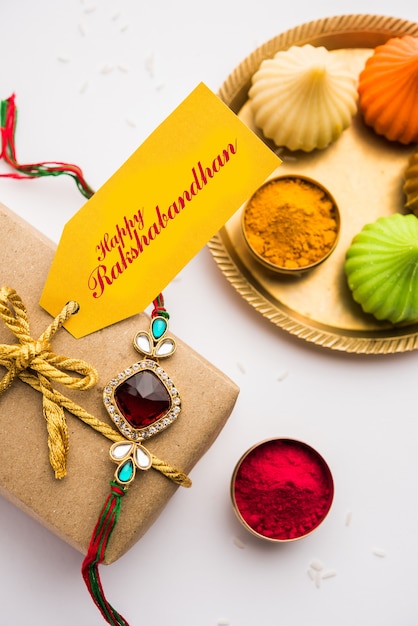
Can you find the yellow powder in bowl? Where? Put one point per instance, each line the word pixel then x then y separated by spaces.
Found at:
pixel 291 223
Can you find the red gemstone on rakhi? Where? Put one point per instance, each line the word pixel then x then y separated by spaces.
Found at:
pixel 142 399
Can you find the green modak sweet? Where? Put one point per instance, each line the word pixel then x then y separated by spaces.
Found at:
pixel 382 268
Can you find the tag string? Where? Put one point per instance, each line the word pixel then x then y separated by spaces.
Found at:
pixel 8 121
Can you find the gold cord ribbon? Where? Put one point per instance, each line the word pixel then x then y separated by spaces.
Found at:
pixel 34 362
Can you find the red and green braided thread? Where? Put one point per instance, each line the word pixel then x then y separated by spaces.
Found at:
pixel 8 121
pixel 97 551
pixel 159 308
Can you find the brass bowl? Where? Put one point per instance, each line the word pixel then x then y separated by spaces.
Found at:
pixel 284 237
pixel 281 490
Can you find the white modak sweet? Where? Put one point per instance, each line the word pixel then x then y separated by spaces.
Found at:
pixel 303 98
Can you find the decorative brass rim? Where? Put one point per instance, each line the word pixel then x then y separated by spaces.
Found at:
pixel 345 31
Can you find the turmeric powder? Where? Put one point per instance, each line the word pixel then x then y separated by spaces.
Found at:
pixel 291 222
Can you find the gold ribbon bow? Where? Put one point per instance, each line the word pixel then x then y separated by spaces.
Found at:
pixel 34 362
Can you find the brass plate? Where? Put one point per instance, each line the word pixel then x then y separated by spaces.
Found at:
pixel 362 171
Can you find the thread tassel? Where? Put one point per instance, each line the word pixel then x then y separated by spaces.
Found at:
pixel 8 121
pixel 97 551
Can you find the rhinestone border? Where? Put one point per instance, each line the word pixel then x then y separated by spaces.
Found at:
pixel 140 434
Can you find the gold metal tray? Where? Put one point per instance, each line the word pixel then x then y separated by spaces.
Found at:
pixel 362 171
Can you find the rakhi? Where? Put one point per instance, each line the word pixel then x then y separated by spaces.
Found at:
pixel 141 400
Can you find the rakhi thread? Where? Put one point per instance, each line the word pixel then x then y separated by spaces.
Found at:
pixel 97 551
pixel 159 308
pixel 8 121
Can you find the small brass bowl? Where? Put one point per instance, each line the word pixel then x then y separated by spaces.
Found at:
pixel 281 490
pixel 291 224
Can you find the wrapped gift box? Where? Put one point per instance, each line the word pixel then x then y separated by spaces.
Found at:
pixel 69 507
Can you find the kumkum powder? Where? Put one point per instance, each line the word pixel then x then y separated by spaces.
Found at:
pixel 282 489
pixel 291 222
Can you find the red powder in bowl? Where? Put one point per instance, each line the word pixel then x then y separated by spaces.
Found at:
pixel 282 489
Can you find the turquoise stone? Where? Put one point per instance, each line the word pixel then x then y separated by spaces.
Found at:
pixel 126 471
pixel 158 327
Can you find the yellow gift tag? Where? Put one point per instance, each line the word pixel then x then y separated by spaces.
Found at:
pixel 122 248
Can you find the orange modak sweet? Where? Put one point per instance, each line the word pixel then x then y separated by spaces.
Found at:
pixel 388 90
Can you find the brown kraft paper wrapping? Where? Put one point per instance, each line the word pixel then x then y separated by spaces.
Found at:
pixel 69 507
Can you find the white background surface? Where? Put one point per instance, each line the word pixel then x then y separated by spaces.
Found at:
pixel 359 412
